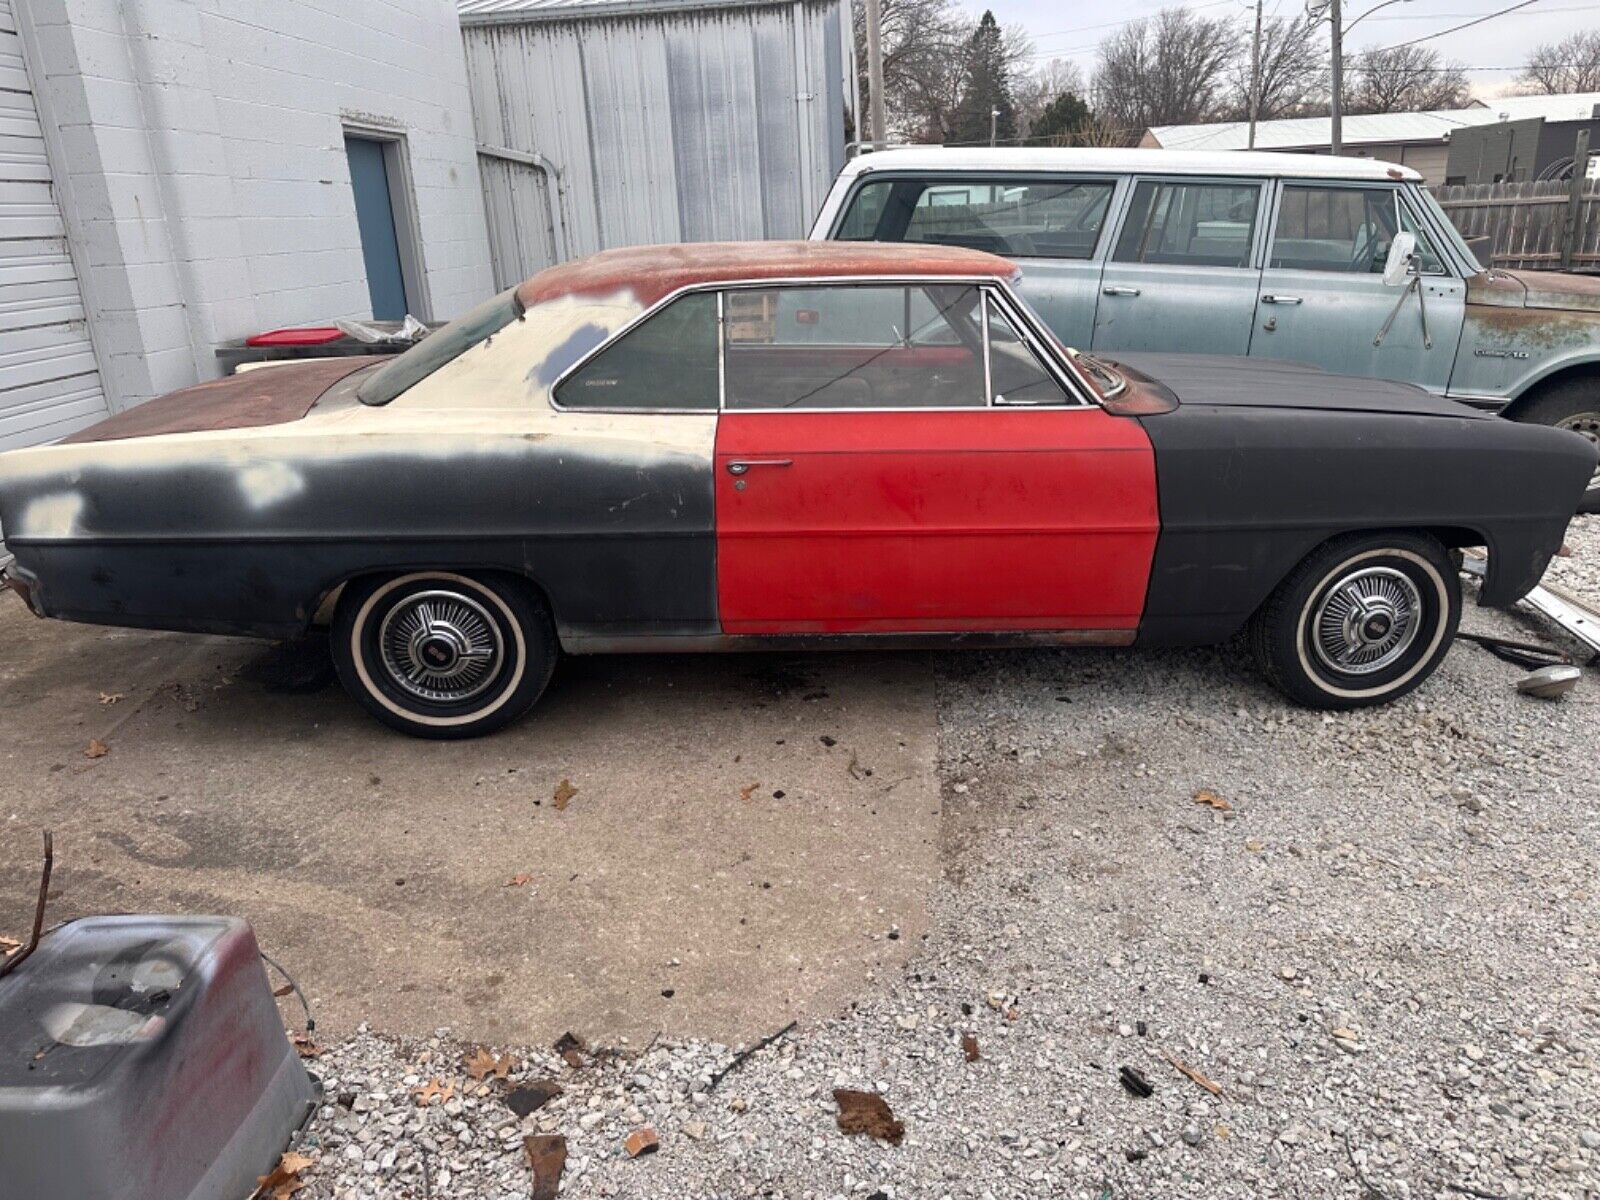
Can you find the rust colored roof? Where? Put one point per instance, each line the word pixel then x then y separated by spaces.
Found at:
pixel 268 396
pixel 656 271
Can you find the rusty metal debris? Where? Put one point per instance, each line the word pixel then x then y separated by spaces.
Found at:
pixel 1577 618
pixel 868 1113
pixel 547 1157
pixel 17 959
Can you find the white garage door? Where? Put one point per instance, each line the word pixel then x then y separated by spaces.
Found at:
pixel 49 382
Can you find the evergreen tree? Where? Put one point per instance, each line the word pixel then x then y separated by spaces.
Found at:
pixel 986 89
pixel 1062 122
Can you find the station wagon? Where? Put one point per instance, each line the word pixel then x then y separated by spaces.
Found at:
pixel 1275 256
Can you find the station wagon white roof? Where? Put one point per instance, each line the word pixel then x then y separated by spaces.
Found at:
pixel 1165 162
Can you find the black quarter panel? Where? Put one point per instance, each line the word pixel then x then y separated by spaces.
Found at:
pixel 1247 492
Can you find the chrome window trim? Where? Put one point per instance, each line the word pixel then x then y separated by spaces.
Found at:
pixel 1076 392
pixel 1022 318
pixel 984 300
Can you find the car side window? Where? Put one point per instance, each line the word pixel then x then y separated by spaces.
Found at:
pixel 1192 224
pixel 1016 376
pixel 1343 230
pixel 1427 258
pixel 1017 218
pixel 666 362
pixel 915 346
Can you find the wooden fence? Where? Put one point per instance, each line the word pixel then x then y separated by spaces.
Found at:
pixel 1528 222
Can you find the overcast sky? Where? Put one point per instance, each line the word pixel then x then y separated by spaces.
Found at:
pixel 1072 31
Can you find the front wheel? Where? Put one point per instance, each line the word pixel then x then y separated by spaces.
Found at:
pixel 1362 621
pixel 437 654
pixel 1571 404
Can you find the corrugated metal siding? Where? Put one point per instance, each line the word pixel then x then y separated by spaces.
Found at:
pixel 706 125
pixel 49 380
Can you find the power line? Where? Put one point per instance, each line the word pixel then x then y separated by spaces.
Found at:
pixel 1456 28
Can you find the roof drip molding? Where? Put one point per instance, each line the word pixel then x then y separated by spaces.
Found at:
pixel 1163 162
pixel 512 12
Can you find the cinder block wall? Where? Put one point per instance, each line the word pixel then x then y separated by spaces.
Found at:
pixel 198 152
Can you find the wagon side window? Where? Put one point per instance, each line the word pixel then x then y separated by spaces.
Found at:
pixel 1018 218
pixel 917 346
pixel 1191 224
pixel 666 362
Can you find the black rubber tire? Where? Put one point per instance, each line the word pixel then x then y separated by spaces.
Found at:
pixel 1568 400
pixel 1280 638
pixel 528 644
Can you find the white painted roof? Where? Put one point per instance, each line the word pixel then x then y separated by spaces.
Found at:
pixel 1166 162
pixel 1374 128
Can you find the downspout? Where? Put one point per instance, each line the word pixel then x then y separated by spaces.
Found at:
pixel 552 186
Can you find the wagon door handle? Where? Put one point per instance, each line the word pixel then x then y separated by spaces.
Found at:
pixel 1271 299
pixel 1116 289
pixel 741 466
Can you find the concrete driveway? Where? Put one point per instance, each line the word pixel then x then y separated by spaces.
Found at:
pixel 750 840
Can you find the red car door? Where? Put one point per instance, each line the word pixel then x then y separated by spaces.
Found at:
pixel 867 519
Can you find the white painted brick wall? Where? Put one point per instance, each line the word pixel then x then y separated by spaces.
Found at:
pixel 205 182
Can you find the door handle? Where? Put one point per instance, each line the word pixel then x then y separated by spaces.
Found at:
pixel 1271 299
pixel 1118 290
pixel 741 466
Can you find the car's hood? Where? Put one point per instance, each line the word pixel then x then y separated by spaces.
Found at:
pixel 1264 383
pixel 265 396
pixel 1535 289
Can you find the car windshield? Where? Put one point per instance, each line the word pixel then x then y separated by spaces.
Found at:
pixel 439 347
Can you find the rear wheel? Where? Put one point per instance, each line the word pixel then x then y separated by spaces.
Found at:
pixel 1571 404
pixel 1363 620
pixel 437 654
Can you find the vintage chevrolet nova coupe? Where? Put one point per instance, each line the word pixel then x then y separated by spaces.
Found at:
pixel 785 445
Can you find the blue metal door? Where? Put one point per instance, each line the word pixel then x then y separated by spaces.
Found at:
pixel 1182 274
pixel 380 246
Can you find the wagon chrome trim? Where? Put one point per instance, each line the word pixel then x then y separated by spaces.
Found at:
pixel 1065 371
pixel 735 643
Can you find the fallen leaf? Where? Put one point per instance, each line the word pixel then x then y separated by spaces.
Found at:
pixel 481 1064
pixel 434 1090
pixel 642 1141
pixel 1194 1076
pixel 969 1047
pixel 110 697
pixel 532 1097
pixel 96 749
pixel 9 945
pixel 304 1046
pixel 1255 846
pixel 564 793
pixel 519 880
pixel 747 791
pixel 868 1113
pixel 282 990
pixel 547 1156
pixel 570 1047
pixel 1208 797
pixel 284 1179
pixel 1224 1132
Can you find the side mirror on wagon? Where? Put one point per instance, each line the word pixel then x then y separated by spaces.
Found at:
pixel 1398 268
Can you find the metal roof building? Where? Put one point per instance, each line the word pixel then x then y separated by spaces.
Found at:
pixel 1417 139
pixel 606 123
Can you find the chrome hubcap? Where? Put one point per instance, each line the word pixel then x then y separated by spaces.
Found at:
pixel 1588 424
pixel 1366 621
pixel 440 646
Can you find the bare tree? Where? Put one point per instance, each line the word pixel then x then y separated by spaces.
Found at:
pixel 924 47
pixel 1570 65
pixel 1170 69
pixel 1294 71
pixel 1035 91
pixel 1404 79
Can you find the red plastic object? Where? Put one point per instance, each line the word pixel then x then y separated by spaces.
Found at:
pixel 310 335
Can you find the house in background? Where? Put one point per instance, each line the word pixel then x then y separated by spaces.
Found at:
pixel 179 173
pixel 618 122
pixel 1421 140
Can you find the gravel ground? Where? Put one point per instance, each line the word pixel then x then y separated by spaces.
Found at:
pixel 1376 945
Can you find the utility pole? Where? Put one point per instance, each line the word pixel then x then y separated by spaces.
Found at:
pixel 875 74
pixel 1336 15
pixel 1255 78
pixel 994 124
